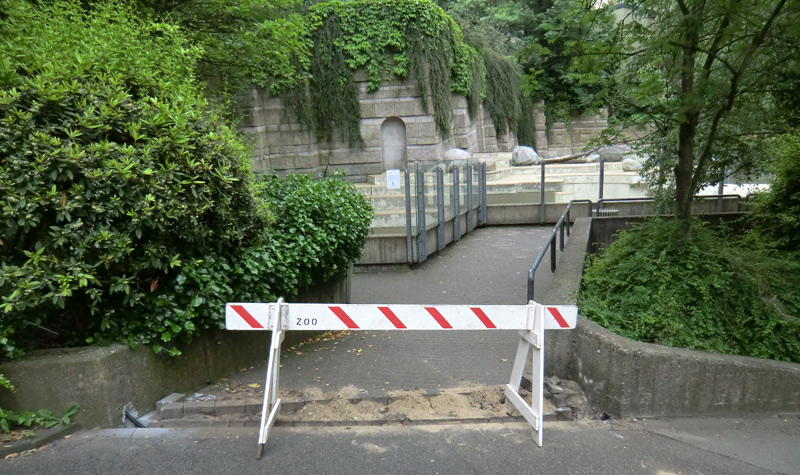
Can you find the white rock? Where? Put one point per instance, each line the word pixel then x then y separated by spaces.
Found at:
pixel 591 158
pixel 631 165
pixel 457 154
pixel 524 156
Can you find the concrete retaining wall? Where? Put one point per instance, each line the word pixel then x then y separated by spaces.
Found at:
pixel 629 378
pixel 104 379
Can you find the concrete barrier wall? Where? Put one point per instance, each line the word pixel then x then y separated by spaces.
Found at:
pixel 628 378
pixel 104 379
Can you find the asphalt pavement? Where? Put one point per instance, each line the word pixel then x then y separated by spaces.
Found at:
pixel 583 447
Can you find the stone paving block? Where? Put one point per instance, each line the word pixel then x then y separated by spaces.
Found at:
pixel 230 407
pixel 171 411
pixel 172 398
pixel 198 407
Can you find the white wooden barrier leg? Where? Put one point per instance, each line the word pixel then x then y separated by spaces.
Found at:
pixel 531 339
pixel 272 404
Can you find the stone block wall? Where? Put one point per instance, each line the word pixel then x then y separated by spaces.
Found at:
pixel 566 139
pixel 281 144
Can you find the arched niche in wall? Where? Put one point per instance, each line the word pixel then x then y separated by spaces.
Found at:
pixel 393 138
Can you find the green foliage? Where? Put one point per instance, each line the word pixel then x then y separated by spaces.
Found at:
pixel 384 38
pixel 114 171
pixel 10 419
pixel 703 77
pixel 777 212
pixel 247 42
pixel 318 228
pixel 704 291
pixel 506 104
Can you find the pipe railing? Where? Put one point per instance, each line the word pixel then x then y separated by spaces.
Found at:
pixel 562 224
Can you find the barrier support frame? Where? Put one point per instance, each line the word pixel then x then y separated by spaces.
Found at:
pixel 272 403
pixel 530 341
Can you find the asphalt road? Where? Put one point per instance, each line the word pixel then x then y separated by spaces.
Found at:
pixel 586 447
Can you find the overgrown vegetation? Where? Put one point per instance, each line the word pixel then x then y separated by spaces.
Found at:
pixel 129 211
pixel 706 291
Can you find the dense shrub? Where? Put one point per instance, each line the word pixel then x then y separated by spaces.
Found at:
pixel 317 228
pixel 777 212
pixel 703 290
pixel 128 211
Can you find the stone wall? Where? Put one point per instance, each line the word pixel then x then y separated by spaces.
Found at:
pixel 281 144
pixel 566 139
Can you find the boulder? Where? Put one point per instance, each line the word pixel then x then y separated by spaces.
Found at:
pixel 457 154
pixel 591 158
pixel 524 156
pixel 611 154
pixel 631 165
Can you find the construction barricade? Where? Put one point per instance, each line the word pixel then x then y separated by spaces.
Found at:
pixel 531 320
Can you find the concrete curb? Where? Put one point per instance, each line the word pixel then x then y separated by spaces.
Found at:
pixel 43 437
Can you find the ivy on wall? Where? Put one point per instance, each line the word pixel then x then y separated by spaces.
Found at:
pixel 401 38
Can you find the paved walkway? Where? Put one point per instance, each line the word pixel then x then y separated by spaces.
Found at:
pixel 488 266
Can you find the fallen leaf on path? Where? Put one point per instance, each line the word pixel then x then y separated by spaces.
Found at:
pixel 503 359
pixel 254 385
pixel 11 456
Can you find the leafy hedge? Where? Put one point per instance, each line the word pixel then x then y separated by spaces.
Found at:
pixel 705 291
pixel 128 210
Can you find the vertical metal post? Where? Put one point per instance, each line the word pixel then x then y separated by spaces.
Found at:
pixel 422 250
pixel 602 180
pixel 553 255
pixel 568 222
pixel 482 194
pixel 469 198
pixel 409 242
pixel 541 197
pixel 561 235
pixel 456 205
pixel 440 205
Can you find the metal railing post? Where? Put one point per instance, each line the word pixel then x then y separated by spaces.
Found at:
pixel 440 207
pixel 602 180
pixel 409 242
pixel 456 205
pixel 422 250
pixel 469 199
pixel 482 220
pixel 541 197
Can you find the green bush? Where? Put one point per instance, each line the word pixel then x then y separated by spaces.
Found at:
pixel 777 212
pixel 113 171
pixel 318 227
pixel 703 291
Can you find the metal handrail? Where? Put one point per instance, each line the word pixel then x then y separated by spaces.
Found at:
pixel 562 224
pixel 601 201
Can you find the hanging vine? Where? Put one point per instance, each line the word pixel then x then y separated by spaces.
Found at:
pixel 401 38
pixel 508 107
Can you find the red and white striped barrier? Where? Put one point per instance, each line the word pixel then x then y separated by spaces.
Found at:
pixel 323 317
pixel 531 320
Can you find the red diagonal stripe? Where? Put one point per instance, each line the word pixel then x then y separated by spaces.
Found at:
pixel 438 317
pixel 249 319
pixel 387 312
pixel 343 317
pixel 559 319
pixel 482 316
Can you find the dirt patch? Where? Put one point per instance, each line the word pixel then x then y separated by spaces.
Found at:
pixel 471 401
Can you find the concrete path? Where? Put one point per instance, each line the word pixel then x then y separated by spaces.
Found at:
pixel 488 266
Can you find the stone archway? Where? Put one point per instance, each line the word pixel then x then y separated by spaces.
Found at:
pixel 393 139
